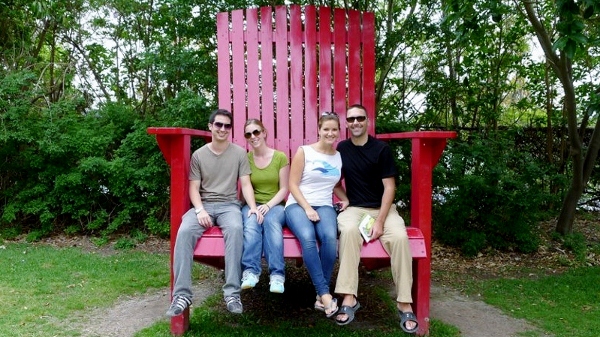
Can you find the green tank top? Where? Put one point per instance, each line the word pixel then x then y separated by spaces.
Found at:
pixel 265 181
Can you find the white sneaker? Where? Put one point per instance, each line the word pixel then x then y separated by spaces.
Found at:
pixel 277 284
pixel 249 280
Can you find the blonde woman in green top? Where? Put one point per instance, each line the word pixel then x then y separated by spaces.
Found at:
pixel 269 177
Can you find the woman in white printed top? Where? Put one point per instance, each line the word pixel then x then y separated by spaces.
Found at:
pixel 315 173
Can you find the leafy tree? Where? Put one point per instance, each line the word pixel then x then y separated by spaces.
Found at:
pixel 572 40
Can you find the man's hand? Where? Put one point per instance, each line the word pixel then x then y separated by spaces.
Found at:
pixel 259 216
pixel 376 230
pixel 204 219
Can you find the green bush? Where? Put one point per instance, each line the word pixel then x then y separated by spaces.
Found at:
pixel 493 195
pixel 97 173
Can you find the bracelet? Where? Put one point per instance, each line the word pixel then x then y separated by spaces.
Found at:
pixel 198 210
pixel 268 206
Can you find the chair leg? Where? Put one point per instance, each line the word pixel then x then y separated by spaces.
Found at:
pixel 421 294
pixel 181 323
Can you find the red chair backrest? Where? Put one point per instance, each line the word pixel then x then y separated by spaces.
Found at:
pixel 288 64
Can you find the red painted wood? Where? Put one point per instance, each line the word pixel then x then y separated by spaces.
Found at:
pixel 310 67
pixel 223 62
pixel 310 75
pixel 238 63
pixel 267 89
pixel 354 59
pixel 368 81
pixel 252 67
pixel 373 256
pixel 325 60
pixel 418 135
pixel 296 74
pixel 282 82
pixel 340 70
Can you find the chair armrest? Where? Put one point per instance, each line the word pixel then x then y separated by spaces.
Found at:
pixel 441 135
pixel 172 140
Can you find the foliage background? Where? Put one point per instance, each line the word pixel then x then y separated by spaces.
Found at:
pixel 81 80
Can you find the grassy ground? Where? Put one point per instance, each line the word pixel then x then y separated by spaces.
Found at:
pixel 567 304
pixel 43 290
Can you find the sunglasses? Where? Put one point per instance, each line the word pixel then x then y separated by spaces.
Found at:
pixel 220 125
pixel 357 118
pixel 328 113
pixel 256 133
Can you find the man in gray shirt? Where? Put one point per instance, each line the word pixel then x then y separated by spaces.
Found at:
pixel 214 172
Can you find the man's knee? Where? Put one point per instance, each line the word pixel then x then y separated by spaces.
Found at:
pixel 236 227
pixel 187 229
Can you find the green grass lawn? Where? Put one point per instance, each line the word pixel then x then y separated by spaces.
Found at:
pixel 566 305
pixel 44 289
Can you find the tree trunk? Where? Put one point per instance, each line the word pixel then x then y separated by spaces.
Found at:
pixel 561 65
pixel 564 225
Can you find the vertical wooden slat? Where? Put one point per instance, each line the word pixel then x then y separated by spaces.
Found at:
pixel 296 78
pixel 325 60
pixel 252 65
pixel 354 62
pixel 368 64
pixel 281 73
pixel 339 64
pixel 310 61
pixel 266 63
pixel 354 58
pixel 239 74
pixel 223 61
pixel 310 72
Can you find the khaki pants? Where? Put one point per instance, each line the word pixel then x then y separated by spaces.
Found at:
pixel 395 243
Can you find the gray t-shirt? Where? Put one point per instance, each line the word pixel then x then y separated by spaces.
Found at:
pixel 218 174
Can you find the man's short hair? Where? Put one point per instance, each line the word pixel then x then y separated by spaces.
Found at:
pixel 357 106
pixel 221 112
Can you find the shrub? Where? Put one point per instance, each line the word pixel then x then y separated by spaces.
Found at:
pixel 97 173
pixel 493 196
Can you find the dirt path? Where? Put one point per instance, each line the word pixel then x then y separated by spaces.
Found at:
pixel 132 314
pixel 473 317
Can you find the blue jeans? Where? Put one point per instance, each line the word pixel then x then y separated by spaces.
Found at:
pixel 267 238
pixel 319 261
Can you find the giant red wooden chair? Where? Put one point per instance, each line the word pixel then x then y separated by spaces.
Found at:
pixel 284 66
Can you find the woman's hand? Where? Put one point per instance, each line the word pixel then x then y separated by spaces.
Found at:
pixel 263 209
pixel 312 215
pixel 259 216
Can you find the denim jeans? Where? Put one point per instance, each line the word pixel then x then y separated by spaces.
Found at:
pixel 318 260
pixel 266 237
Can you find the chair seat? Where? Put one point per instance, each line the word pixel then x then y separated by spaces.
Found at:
pixel 210 249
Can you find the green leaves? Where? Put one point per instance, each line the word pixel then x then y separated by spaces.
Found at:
pixel 573 25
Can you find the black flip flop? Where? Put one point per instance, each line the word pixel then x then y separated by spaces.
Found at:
pixel 349 311
pixel 405 317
